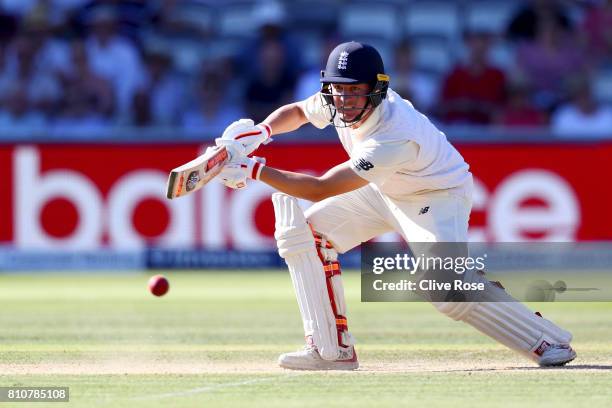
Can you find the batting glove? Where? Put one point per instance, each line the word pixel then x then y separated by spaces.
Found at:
pixel 248 134
pixel 239 169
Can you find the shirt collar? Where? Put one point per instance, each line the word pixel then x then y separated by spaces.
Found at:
pixel 367 127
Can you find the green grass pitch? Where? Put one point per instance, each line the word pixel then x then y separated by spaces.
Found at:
pixel 214 339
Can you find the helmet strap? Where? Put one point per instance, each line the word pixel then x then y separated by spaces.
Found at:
pixel 360 116
pixel 375 97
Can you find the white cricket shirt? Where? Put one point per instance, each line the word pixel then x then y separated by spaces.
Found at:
pixel 398 149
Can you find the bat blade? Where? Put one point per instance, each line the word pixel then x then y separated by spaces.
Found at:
pixel 195 174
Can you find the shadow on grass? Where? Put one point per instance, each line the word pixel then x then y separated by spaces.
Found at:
pixel 586 367
pixel 528 368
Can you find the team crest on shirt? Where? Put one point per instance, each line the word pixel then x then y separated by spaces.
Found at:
pixel 362 164
pixel 343 60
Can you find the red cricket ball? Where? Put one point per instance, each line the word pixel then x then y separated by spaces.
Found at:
pixel 158 285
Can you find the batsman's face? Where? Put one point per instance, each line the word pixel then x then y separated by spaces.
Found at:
pixel 350 99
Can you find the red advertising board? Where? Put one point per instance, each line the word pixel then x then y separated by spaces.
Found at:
pixel 89 196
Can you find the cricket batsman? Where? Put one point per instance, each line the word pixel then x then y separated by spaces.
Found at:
pixel 404 176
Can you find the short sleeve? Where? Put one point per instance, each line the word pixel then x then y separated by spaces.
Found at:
pixel 376 161
pixel 314 111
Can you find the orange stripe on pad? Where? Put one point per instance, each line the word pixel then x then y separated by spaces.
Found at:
pixel 341 323
pixel 332 269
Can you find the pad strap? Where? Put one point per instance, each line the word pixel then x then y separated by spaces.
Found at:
pixel 332 268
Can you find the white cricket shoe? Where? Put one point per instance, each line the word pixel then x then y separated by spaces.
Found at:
pixel 557 355
pixel 310 359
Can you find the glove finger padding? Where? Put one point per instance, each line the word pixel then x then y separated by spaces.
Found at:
pixel 249 135
pixel 239 169
pixel 234 148
pixel 237 127
pixel 233 176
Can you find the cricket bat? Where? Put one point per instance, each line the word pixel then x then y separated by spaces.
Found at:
pixel 194 175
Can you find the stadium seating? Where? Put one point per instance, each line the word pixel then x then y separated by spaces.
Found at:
pixel 602 86
pixel 440 18
pixel 489 15
pixel 432 53
pixel 195 15
pixel 363 19
pixel 236 20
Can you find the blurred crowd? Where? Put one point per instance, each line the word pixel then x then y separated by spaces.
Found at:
pixel 79 67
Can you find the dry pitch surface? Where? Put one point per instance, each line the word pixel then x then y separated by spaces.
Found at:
pixel 214 339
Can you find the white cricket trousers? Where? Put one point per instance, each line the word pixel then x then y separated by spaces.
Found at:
pixel 349 219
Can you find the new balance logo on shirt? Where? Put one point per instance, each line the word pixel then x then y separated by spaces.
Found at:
pixel 363 164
